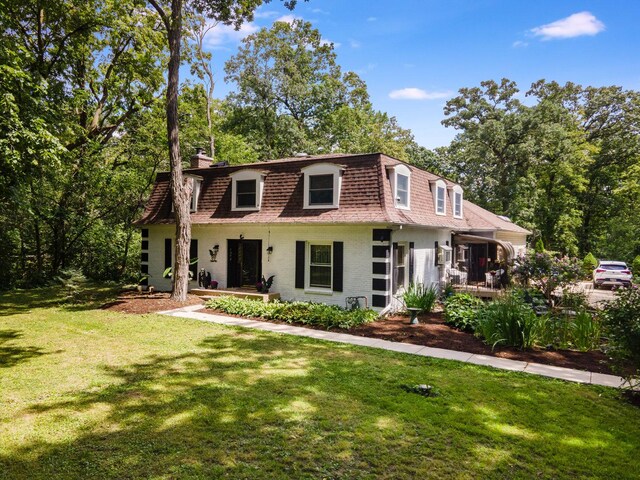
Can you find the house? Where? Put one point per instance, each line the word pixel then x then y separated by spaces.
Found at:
pixel 328 227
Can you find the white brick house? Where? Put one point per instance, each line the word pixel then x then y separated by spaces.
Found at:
pixel 328 227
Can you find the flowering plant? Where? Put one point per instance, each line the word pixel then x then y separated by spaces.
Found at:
pixel 546 272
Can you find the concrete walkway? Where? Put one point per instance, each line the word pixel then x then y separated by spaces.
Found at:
pixel 568 374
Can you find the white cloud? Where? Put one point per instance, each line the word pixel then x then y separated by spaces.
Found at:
pixel 354 43
pixel 319 10
pixel 265 14
pixel 288 18
pixel 372 19
pixel 412 93
pixel 576 25
pixel 222 34
pixel 519 44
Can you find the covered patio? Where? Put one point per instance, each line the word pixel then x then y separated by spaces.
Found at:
pixel 479 261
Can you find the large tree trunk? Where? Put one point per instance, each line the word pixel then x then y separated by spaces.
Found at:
pixel 181 187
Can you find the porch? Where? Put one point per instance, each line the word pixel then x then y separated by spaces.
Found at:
pixel 478 290
pixel 248 293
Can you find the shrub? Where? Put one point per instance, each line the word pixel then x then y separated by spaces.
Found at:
pixel 460 311
pixel 621 323
pixel 546 272
pixel 580 331
pixel 635 267
pixel 327 316
pixel 589 264
pixel 586 331
pixel 508 320
pixel 420 296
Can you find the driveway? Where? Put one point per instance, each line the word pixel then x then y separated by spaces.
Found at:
pixel 596 296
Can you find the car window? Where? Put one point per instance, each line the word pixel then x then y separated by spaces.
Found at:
pixel 609 266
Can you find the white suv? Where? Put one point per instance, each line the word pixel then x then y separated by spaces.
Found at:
pixel 611 273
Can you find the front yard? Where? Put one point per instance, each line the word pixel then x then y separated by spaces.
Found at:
pixel 89 393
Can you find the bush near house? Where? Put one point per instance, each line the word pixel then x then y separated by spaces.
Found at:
pixel 420 296
pixel 317 314
pixel 546 272
pixel 509 321
pixel 621 323
pixel 461 310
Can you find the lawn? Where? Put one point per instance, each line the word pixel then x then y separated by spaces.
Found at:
pixel 88 393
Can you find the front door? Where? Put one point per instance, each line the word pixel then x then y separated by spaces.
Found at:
pixel 478 255
pixel 244 266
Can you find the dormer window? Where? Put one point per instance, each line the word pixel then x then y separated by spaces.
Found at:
pixel 440 197
pixel 322 184
pixel 457 201
pixel 246 190
pixel 400 181
pixel 195 194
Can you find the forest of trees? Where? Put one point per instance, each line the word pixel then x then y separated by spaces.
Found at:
pixel 83 132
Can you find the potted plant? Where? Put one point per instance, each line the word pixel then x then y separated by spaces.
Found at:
pixel 264 285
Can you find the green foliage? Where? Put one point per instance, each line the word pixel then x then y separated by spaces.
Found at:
pixel 317 314
pixel 420 296
pixel 635 267
pixel 539 247
pixel 461 310
pixel 292 96
pixel 546 272
pixel 508 321
pixel 564 165
pixel 589 264
pixel 579 330
pixel 621 323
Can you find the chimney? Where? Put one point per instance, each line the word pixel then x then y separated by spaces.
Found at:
pixel 200 160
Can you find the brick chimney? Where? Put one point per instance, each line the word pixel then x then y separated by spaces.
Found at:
pixel 200 160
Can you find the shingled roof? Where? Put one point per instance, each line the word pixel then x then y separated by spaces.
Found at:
pixel 365 196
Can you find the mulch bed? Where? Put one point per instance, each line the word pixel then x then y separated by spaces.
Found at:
pixel 431 332
pixel 135 302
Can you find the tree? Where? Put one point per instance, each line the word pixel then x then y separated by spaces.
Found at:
pixel 230 12
pixel 289 84
pixel 75 74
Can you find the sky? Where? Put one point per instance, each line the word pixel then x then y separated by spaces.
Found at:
pixel 416 54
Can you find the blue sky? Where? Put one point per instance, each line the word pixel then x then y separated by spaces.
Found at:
pixel 414 54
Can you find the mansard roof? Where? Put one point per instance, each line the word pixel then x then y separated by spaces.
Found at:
pixel 365 197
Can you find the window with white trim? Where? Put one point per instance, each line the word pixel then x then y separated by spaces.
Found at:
pixel 399 266
pixel 440 197
pixel 246 190
pixel 401 181
pixel 322 184
pixel 194 196
pixel 320 266
pixel 457 201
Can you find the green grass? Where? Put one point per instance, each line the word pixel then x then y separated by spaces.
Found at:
pixel 90 393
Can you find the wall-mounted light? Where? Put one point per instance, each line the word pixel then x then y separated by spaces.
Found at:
pixel 241 237
pixel 214 252
pixel 270 249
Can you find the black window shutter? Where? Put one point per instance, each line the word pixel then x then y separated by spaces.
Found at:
pixel 338 267
pixel 435 260
pixel 394 265
pixel 193 254
pixel 300 249
pixel 167 253
pixel 411 261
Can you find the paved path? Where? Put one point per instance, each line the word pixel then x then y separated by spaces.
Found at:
pixel 568 374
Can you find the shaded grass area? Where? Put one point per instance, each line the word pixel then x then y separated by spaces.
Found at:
pixel 108 395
